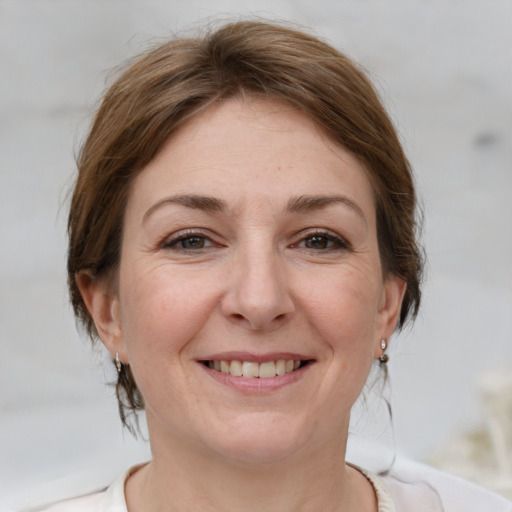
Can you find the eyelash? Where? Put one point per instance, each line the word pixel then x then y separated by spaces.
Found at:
pixel 173 241
pixel 337 243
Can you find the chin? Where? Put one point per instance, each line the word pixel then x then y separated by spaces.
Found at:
pixel 259 442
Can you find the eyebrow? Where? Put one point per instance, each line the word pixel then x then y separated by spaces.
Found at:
pixel 306 203
pixel 206 203
pixel 299 204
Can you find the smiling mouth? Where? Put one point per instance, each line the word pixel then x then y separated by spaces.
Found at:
pixel 254 370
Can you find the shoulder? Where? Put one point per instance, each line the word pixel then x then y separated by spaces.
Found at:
pixel 109 500
pixel 89 503
pixel 410 483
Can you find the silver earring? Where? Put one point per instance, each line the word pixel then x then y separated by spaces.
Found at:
pixel 384 358
pixel 118 363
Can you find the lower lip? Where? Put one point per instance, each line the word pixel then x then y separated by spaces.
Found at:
pixel 257 385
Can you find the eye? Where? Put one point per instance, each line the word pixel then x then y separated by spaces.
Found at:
pixel 187 242
pixel 317 242
pixel 323 241
pixel 192 242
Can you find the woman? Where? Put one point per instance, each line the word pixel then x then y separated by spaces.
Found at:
pixel 242 241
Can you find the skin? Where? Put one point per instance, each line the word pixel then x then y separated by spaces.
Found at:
pixel 259 268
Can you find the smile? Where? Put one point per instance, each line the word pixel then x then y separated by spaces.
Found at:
pixel 254 370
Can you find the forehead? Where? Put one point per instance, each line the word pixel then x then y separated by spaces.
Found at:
pixel 251 149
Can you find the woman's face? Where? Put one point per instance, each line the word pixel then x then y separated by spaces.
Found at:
pixel 249 248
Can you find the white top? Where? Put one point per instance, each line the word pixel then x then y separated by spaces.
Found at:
pixel 420 489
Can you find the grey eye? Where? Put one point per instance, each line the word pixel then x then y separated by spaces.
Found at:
pixel 317 242
pixel 193 242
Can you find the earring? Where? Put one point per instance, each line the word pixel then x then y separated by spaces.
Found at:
pixel 384 358
pixel 118 363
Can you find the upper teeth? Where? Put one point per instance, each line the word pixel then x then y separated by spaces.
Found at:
pixel 252 369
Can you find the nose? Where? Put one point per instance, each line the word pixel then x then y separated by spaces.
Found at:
pixel 258 295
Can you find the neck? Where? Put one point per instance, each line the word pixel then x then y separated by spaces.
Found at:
pixel 181 479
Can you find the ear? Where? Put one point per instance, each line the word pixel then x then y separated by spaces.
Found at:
pixel 103 306
pixel 390 306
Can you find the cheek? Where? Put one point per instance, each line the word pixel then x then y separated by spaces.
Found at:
pixel 344 307
pixel 162 311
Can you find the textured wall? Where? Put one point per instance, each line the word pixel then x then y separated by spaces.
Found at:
pixel 445 70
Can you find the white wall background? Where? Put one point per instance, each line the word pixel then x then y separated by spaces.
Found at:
pixel 445 70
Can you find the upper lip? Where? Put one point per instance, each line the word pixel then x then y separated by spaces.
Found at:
pixel 254 357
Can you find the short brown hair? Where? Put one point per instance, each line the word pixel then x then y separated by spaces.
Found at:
pixel 173 81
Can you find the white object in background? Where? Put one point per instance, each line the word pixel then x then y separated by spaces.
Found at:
pixel 496 389
pixel 484 454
